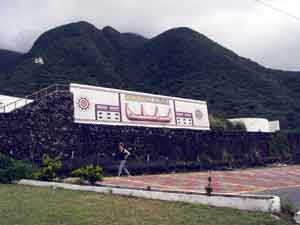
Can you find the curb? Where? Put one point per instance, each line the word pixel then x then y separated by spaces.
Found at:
pixel 262 203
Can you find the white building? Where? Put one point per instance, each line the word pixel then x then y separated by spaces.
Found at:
pixel 10 103
pixel 258 124
pixel 39 60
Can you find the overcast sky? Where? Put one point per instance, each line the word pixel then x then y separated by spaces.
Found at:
pixel 250 29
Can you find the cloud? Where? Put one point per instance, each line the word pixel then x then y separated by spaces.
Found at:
pixel 246 27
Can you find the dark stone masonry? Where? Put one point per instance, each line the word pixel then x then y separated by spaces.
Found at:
pixel 46 127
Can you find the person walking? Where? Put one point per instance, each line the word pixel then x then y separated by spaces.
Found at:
pixel 123 155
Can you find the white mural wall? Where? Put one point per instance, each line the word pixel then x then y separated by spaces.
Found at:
pixel 97 105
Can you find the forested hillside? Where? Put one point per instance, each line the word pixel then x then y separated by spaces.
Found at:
pixel 8 59
pixel 179 62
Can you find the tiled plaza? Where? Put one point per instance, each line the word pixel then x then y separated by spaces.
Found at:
pixel 239 181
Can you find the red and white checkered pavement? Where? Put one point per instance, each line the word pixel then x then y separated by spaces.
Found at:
pixel 239 181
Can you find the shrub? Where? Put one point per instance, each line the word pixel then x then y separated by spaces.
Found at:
pixel 89 173
pixel 222 124
pixel 49 169
pixel 11 169
pixel 279 146
pixel 228 158
pixel 288 209
pixel 5 161
pixel 217 124
pixel 238 126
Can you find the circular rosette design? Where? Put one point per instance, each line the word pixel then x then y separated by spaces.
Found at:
pixel 198 114
pixel 83 103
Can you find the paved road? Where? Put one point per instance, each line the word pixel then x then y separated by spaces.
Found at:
pixel 287 195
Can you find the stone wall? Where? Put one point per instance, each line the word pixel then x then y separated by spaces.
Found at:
pixel 47 127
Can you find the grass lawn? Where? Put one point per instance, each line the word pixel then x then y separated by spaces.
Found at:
pixel 22 205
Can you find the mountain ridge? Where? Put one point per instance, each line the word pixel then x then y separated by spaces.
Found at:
pixel 179 62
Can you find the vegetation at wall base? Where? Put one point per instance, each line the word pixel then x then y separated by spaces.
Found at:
pixel 279 146
pixel 89 173
pixel 223 124
pixel 48 170
pixel 11 170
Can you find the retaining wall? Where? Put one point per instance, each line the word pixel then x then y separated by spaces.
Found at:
pixel 46 127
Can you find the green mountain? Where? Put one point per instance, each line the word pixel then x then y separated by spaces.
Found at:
pixel 8 59
pixel 179 62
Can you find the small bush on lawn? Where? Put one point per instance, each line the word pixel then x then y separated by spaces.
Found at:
pixel 11 169
pixel 89 173
pixel 49 169
pixel 288 209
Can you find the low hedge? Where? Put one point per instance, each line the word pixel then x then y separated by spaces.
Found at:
pixel 11 169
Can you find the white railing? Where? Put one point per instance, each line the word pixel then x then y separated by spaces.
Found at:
pixel 33 97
